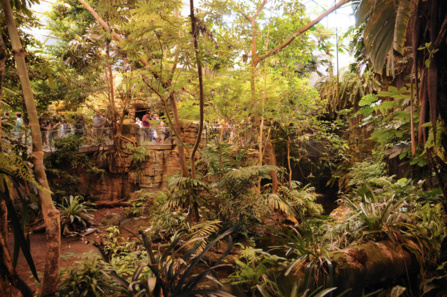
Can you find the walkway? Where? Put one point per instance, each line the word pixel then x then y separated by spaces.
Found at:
pixel 99 139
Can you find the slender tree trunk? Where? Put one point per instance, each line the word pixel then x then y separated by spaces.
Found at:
pixel 195 206
pixel 2 74
pixel 5 257
pixel 289 164
pixel 5 289
pixel 201 96
pixel 50 213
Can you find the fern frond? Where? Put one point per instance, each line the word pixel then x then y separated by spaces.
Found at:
pixel 204 230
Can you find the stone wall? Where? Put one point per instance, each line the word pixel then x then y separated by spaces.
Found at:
pixel 119 181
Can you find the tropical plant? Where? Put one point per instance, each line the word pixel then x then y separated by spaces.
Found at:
pixel 347 92
pixel 189 193
pixel 20 242
pixel 385 29
pixel 292 198
pixel 64 165
pixel 382 38
pixel 89 278
pixel 254 271
pixel 123 255
pixel 138 155
pixel 74 215
pixel 171 274
pixel 304 246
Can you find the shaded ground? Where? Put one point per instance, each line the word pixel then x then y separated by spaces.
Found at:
pixel 76 249
pixel 72 249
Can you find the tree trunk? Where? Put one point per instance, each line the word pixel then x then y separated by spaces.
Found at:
pixel 50 213
pixel 195 207
pixel 5 258
pixel 2 74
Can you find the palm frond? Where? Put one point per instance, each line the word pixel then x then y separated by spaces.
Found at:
pixel 204 230
pixel 386 27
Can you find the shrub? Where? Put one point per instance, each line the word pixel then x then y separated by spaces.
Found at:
pixel 88 279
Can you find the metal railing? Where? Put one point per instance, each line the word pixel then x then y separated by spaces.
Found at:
pixel 91 136
pixel 154 136
pixel 103 136
pixel 242 136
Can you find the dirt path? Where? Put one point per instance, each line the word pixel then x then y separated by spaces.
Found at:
pixel 72 249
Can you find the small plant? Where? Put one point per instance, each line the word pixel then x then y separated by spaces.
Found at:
pixel 122 254
pixel 171 274
pixel 253 271
pixel 74 215
pixel 165 221
pixel 292 198
pixel 90 278
pixel 138 156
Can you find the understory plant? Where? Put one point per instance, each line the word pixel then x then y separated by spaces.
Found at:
pixel 175 270
pixel 75 214
pixel 225 189
pixel 255 271
pixel 89 278
pixel 138 155
pixel 383 208
pixel 65 164
pixel 292 197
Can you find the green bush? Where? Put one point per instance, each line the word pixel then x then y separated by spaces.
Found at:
pixel 74 214
pixel 90 278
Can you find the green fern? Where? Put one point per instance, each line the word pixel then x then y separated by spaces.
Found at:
pixel 204 230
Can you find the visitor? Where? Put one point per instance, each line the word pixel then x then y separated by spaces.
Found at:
pixel 79 125
pixel 19 126
pixel 19 121
pixel 98 125
pixel 54 129
pixel 44 129
pixel 5 119
pixel 65 128
pixel 138 122
pixel 146 118
pixel 147 126
pixel 164 132
pixel 225 130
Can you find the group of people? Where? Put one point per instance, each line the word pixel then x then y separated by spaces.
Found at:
pixel 18 122
pixel 155 131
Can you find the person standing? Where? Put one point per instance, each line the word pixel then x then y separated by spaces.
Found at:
pixel 5 119
pixel 147 125
pixel 19 124
pixel 19 121
pixel 98 124
pixel 79 125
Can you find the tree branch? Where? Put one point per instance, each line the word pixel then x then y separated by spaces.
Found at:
pixel 242 12
pixel 280 47
pixel 260 8
pixel 116 36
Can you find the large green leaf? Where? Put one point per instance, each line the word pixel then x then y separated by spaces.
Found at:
pixel 385 28
pixel 404 12
pixel 17 228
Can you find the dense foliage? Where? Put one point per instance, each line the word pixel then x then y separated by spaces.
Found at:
pixel 276 139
